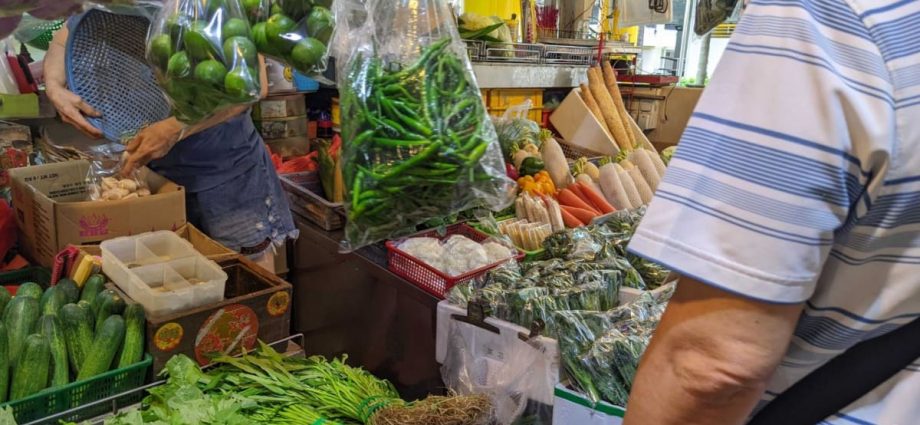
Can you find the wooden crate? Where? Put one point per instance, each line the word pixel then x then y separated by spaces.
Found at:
pixel 256 306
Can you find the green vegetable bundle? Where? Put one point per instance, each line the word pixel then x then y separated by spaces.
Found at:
pixel 267 387
pixel 418 143
pixel 296 32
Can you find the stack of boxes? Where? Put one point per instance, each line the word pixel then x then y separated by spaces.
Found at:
pixel 282 121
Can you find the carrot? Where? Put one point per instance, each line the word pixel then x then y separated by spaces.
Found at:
pixel 579 192
pixel 583 215
pixel 567 198
pixel 596 199
pixel 569 219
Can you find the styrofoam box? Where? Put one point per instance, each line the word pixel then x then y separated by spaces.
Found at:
pixel 162 272
pixel 579 127
pixel 571 407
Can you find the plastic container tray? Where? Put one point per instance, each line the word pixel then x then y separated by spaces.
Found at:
pixel 162 272
pixel 305 193
pixel 429 278
pixel 76 394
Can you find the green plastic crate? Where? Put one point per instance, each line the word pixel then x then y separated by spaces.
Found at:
pixel 39 275
pixel 56 400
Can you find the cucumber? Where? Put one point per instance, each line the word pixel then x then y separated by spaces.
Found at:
pixel 29 289
pixel 133 349
pixel 53 300
pixel 105 346
pixel 5 298
pixel 107 304
pixel 20 318
pixel 76 323
pixel 54 335
pixel 4 364
pixel 31 374
pixel 93 286
pixel 89 313
pixel 70 289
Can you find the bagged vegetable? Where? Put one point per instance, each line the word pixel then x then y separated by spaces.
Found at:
pixel 296 32
pixel 418 143
pixel 205 57
pixel 104 179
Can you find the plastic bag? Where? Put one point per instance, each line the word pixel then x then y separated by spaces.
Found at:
pixel 517 376
pixel 296 32
pixel 711 13
pixel 641 12
pixel 204 56
pixel 418 141
pixel 515 130
pixel 104 179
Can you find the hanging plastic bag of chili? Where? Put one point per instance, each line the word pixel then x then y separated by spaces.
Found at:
pixel 205 58
pixel 418 143
pixel 296 32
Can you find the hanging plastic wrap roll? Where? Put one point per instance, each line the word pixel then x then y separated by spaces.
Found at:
pixel 204 56
pixel 418 141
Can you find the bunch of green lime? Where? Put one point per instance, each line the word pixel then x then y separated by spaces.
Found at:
pixel 295 31
pixel 206 58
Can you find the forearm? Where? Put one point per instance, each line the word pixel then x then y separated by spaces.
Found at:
pixel 53 64
pixel 710 358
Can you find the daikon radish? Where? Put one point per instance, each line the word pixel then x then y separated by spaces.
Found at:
pixel 555 163
pixel 608 109
pixel 645 191
pixel 613 188
pixel 594 108
pixel 591 170
pixel 659 163
pixel 641 158
pixel 630 187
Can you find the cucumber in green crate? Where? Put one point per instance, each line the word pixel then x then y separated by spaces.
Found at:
pixel 4 364
pixel 133 348
pixel 78 333
pixel 93 286
pixel 53 299
pixel 108 303
pixel 108 339
pixel 20 317
pixel 5 298
pixel 70 289
pixel 30 374
pixel 30 289
pixel 53 333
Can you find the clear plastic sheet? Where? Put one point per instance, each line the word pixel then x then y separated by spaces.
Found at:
pixel 711 13
pixel 205 57
pixel 296 32
pixel 418 141
pixel 516 376
pixel 515 130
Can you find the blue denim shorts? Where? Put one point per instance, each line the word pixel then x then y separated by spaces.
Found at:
pixel 248 214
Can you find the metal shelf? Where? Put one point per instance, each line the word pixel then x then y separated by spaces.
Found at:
pixel 508 76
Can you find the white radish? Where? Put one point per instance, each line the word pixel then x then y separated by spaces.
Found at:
pixel 630 187
pixel 613 189
pixel 658 162
pixel 642 186
pixel 646 168
pixel 586 179
pixel 555 163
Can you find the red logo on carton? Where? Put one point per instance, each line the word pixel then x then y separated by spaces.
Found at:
pixel 94 225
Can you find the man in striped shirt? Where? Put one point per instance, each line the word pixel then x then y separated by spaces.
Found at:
pixel 793 209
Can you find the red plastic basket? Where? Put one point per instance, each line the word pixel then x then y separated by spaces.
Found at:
pixel 429 278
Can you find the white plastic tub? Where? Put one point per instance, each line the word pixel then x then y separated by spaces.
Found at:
pixel 162 272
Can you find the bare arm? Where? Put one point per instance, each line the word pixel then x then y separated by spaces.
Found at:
pixel 70 106
pixel 710 358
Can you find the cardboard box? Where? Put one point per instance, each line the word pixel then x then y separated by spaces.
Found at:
pixel 52 211
pixel 256 306
pixel 208 247
pixel 572 407
pixel 579 127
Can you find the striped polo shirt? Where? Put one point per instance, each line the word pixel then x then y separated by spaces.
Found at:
pixel 797 180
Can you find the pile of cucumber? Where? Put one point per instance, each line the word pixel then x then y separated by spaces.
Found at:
pixel 49 338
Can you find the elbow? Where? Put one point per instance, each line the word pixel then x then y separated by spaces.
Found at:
pixel 721 373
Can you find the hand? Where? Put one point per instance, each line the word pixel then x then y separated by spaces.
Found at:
pixel 72 108
pixel 152 142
